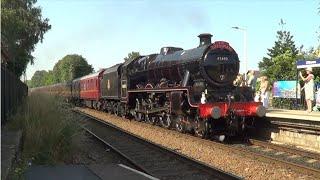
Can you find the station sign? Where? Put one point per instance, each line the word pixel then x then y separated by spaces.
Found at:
pixel 306 64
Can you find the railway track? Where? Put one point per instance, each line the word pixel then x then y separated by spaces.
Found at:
pixel 287 149
pixel 153 159
pixel 306 126
pixel 298 160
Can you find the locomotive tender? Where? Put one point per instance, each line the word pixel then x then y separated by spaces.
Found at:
pixel 191 90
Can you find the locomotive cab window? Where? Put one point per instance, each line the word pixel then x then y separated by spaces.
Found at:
pixel 124 88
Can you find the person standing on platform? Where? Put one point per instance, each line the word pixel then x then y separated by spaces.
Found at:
pixel 239 81
pixel 252 80
pixel 308 88
pixel 257 97
pixel 264 90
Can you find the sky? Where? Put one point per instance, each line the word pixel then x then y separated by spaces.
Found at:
pixel 104 32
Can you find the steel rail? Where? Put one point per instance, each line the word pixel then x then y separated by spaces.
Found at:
pixel 194 165
pixel 299 125
pixel 287 149
pixel 269 159
pixel 287 164
pixel 252 155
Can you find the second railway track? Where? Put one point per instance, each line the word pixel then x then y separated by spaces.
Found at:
pixel 150 158
pixel 286 149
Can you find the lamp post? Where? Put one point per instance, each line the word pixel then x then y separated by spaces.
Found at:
pixel 245 59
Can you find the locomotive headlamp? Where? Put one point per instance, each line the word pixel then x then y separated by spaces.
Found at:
pixel 216 112
pixel 261 111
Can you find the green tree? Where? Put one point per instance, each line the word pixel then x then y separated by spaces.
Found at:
pixel 309 54
pixel 281 61
pixel 132 55
pixel 38 78
pixel 49 78
pixel 22 27
pixel 70 67
pixel 29 83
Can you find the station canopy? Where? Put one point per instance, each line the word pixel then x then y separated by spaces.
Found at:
pixel 305 64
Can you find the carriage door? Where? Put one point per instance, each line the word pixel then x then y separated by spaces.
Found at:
pixel 124 88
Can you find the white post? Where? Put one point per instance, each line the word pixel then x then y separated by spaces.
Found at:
pixel 245 54
pixel 245 58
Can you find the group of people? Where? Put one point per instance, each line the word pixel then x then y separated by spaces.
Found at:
pixel 263 92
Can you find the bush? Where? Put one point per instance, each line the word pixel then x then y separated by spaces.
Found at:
pixel 48 129
pixel 285 103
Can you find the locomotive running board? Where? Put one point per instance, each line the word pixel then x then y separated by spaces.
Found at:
pixel 158 90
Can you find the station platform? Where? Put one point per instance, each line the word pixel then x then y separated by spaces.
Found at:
pixel 90 172
pixel 293 114
pixel 292 127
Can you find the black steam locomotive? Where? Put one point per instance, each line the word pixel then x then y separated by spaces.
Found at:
pixel 190 90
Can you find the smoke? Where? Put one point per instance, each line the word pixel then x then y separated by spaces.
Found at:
pixel 178 17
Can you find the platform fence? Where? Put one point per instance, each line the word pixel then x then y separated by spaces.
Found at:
pixel 13 91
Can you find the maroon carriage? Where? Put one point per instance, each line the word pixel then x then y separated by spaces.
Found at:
pixel 90 89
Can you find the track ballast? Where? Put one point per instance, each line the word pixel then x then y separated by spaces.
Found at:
pixel 151 158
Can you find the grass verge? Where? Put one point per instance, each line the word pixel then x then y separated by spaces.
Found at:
pixel 48 127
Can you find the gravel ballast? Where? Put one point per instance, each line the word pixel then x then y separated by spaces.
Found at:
pixel 202 150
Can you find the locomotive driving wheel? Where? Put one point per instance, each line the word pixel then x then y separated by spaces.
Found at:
pixel 166 121
pixel 116 109
pixel 149 119
pixel 153 120
pixel 138 116
pixel 122 111
pixel 200 128
pixel 180 127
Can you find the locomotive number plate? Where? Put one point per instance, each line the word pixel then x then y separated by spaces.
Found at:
pixel 222 58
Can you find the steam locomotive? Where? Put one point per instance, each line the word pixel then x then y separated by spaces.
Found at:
pixel 189 90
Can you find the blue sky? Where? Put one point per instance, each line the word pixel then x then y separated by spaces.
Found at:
pixel 104 32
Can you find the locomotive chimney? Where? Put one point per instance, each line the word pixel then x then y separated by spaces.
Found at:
pixel 205 39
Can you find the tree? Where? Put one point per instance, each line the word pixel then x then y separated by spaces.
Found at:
pixel 49 79
pixel 22 27
pixel 281 63
pixel 66 69
pixel 132 55
pixel 71 67
pixel 38 78
pixel 29 83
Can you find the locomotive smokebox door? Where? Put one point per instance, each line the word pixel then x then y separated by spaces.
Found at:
pixel 220 64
